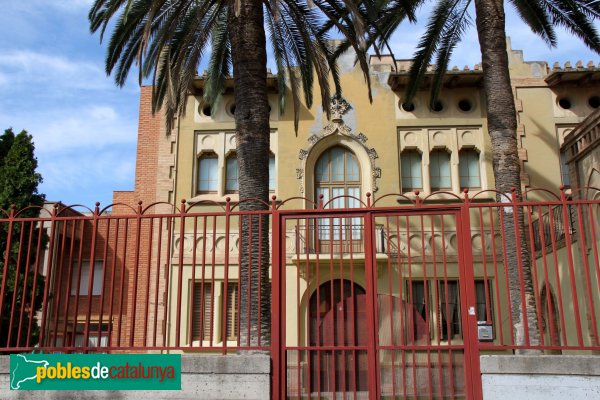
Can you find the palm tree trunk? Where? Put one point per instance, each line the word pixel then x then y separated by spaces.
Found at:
pixel 502 127
pixel 248 49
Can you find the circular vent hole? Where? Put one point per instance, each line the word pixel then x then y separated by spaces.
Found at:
pixel 594 101
pixel 564 103
pixel 465 105
pixel 232 109
pixel 438 106
pixel 206 110
pixel 408 106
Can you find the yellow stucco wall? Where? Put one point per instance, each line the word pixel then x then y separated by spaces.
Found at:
pixel 387 130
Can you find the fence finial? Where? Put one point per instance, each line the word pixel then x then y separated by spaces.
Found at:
pixel 563 195
pixel 513 193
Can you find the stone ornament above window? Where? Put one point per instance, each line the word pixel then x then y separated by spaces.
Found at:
pixel 338 108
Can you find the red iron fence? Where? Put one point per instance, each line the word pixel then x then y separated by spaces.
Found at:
pixel 397 298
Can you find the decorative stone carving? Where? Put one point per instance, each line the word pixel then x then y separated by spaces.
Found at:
pixel 345 130
pixel 329 129
pixel 339 107
pixel 372 154
pixel 337 127
pixel 361 137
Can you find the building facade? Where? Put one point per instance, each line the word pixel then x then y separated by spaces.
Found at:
pixel 356 288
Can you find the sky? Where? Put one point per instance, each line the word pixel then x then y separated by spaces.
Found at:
pixel 53 84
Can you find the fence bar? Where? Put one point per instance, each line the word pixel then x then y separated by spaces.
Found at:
pixel 431 296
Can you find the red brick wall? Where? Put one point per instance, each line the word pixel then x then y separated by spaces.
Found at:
pixel 146 169
pixel 111 247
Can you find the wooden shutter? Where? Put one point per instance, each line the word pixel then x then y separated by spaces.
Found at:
pixel 202 311
pixel 232 311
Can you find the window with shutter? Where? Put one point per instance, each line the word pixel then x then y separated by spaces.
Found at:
pixel 202 311
pixel 84 276
pixel 232 311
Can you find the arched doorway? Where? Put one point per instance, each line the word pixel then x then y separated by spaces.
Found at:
pixel 337 317
pixel 550 318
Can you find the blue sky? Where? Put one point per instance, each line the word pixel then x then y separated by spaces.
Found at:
pixel 53 84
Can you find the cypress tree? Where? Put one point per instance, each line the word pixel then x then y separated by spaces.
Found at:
pixel 19 189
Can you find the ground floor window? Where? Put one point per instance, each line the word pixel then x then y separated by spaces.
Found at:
pixel 208 302
pixel 437 305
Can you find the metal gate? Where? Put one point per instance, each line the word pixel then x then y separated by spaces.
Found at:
pixel 374 305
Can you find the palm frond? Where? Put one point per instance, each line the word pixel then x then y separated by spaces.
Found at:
pixel 457 23
pixel 535 15
pixel 219 66
pixel 166 40
pixel 576 18
pixel 429 44
pixel 341 19
pixel 281 60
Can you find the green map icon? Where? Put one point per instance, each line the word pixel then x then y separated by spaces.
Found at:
pixel 23 369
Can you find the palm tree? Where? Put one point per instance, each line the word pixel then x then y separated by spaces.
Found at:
pixel 167 39
pixel 445 29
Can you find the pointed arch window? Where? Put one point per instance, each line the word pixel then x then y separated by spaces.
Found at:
pixel 207 173
pixel 439 170
pixel 337 178
pixel 410 165
pixel 468 168
pixel 231 174
pixel 337 174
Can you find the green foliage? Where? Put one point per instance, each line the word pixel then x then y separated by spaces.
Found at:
pixel 18 177
pixel 168 40
pixel 19 188
pixel 450 18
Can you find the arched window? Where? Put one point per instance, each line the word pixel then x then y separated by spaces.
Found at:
pixel 271 172
pixel 564 170
pixel 231 174
pixel 207 173
pixel 468 168
pixel 410 164
pixel 439 170
pixel 337 175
